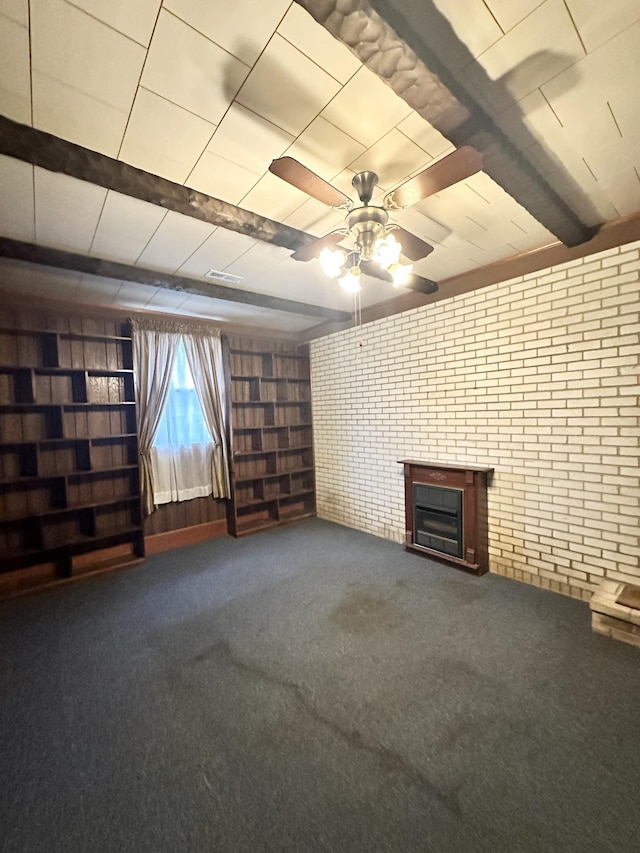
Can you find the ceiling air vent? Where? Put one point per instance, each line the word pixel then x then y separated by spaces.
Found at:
pixel 226 277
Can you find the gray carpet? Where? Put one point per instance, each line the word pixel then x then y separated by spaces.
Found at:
pixel 313 688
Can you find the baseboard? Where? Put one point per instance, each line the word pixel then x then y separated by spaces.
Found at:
pixel 158 542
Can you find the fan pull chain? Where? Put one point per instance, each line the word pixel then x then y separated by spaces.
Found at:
pixel 357 315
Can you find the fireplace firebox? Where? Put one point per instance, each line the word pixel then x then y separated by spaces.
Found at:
pixel 446 513
pixel 438 518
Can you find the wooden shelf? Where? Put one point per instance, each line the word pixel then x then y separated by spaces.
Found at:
pixel 272 470
pixel 69 457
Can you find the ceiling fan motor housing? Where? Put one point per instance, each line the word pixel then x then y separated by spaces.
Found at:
pixel 367 224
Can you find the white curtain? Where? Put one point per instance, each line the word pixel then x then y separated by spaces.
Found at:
pixel 154 352
pixel 204 354
pixel 182 473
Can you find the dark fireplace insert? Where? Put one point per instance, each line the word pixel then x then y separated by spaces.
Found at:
pixel 438 518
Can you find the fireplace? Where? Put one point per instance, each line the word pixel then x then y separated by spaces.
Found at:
pixel 446 513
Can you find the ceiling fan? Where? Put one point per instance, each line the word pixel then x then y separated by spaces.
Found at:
pixel 378 242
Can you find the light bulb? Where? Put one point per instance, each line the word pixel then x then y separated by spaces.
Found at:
pixel 400 273
pixel 331 262
pixel 350 281
pixel 387 252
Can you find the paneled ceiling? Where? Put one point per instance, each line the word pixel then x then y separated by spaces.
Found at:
pixel 205 93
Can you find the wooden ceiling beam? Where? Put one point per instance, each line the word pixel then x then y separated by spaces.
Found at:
pixel 59 155
pixel 45 256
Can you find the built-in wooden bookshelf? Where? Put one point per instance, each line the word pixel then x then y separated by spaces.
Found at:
pixel 69 481
pixel 272 439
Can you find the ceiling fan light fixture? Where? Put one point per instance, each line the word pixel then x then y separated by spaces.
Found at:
pixel 332 262
pixel 387 252
pixel 350 281
pixel 400 273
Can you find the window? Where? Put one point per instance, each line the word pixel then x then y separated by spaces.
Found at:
pixel 182 423
pixel 182 450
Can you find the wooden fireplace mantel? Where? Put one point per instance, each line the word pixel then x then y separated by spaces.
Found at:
pixel 470 481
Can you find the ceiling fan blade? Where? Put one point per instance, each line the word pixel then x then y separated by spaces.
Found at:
pixel 457 166
pixel 416 282
pixel 412 247
pixel 304 179
pixel 311 251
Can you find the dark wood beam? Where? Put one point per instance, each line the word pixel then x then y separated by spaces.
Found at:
pixel 58 155
pixel 49 257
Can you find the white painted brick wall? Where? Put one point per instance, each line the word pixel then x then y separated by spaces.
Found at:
pixel 538 377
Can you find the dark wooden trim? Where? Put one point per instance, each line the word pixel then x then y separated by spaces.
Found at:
pixel 59 155
pixel 625 230
pixel 46 256
pixel 158 542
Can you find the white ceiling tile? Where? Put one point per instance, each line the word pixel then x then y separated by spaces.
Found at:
pixel 216 253
pixel 418 223
pixel 315 218
pixel 135 20
pixel 303 282
pixel 67 211
pixel 17 10
pixel 473 23
pixel 72 115
pixel 97 290
pixel 79 51
pixel 508 13
pixel 609 160
pixel 248 140
pixel 164 299
pixel 325 149
pixel 16 183
pixel 221 179
pixel 126 226
pixel 256 262
pixel 15 80
pixel 392 158
pixel 187 68
pixel 162 138
pixel 516 64
pixel 423 134
pixel 366 108
pixel 604 76
pixel 130 294
pixel 303 31
pixel 286 87
pixel 274 198
pixel 623 189
pixel 529 242
pixel 241 28
pixel 176 239
pixel 595 27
